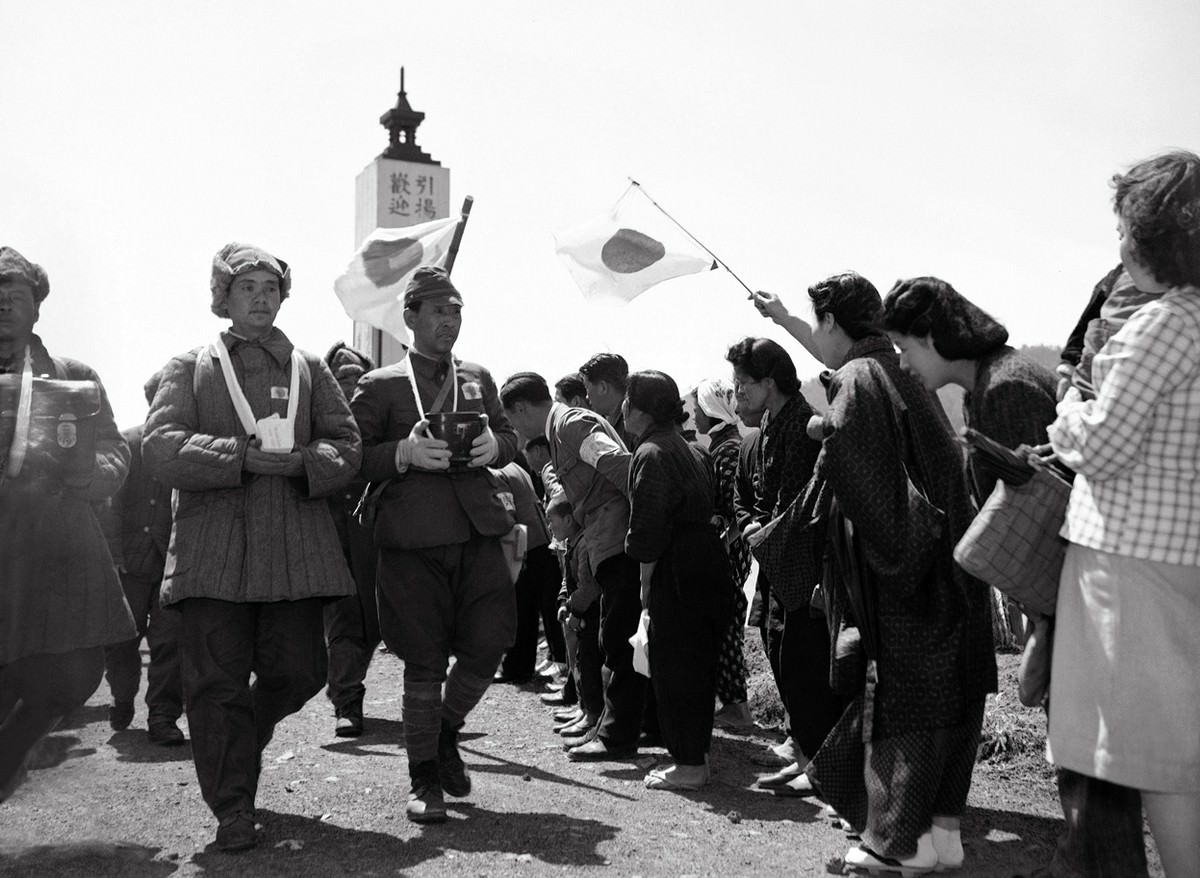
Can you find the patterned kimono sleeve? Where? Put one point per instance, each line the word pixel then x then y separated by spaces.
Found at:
pixel 861 461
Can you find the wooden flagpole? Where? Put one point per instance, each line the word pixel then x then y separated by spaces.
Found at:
pixel 452 253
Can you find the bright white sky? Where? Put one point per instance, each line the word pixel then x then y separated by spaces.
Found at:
pixel 969 140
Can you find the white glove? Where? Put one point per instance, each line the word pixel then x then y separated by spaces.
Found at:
pixel 422 451
pixel 486 448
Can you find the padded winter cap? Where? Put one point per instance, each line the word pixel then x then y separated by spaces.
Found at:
pixel 344 361
pixel 235 259
pixel 430 282
pixel 15 267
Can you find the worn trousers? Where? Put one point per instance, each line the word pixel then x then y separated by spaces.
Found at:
pixel 444 601
pixel 123 661
pixel 352 625
pixel 36 692
pixel 813 708
pixel 537 598
pixel 231 721
pixel 624 688
pixel 454 600
pixel 684 638
pixel 589 663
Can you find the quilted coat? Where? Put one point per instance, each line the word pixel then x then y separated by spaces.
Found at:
pixel 59 590
pixel 239 536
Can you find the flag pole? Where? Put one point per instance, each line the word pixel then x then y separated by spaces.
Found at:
pixel 452 253
pixel 716 258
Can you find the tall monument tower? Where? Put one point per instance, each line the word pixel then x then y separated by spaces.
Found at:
pixel 403 186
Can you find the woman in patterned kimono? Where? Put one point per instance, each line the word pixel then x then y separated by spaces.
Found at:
pixel 943 338
pixel 898 765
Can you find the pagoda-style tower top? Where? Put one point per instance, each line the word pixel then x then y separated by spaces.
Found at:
pixel 401 121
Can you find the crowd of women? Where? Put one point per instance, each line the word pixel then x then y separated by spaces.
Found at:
pixel 880 644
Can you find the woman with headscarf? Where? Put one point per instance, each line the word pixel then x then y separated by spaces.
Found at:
pixel 1124 694
pixel 253 434
pixel 684 574
pixel 716 426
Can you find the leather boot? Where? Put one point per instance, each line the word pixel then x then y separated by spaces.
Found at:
pixel 425 802
pixel 452 772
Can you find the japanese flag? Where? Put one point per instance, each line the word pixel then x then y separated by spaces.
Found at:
pixel 372 288
pixel 629 249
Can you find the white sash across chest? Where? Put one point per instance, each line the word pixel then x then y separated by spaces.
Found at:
pixel 20 440
pixel 276 434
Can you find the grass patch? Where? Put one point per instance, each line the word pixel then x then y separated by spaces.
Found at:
pixel 1012 732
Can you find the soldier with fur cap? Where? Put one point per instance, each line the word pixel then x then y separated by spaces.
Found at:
pixel 60 599
pixel 444 587
pixel 249 430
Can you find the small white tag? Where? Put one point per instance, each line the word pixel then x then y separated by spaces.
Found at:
pixel 279 393
pixel 472 390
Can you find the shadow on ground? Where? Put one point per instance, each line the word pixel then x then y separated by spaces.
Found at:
pixel 93 859
pixel 132 745
pixel 291 844
pixel 1021 841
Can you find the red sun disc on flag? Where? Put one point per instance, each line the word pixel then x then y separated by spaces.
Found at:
pixel 629 251
pixel 387 262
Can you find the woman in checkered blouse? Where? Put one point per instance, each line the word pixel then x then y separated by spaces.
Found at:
pixel 1125 691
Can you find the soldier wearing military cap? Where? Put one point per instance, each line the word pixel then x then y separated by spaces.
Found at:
pixel 444 585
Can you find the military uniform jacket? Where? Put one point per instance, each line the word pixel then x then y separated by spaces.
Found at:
pixel 420 509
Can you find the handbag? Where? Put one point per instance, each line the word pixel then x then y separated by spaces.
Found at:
pixel 1013 543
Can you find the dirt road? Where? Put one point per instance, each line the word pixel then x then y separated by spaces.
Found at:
pixel 110 803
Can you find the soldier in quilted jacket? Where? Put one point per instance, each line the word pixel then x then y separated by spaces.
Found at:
pixel 254 435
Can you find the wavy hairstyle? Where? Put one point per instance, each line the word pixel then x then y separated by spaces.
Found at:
pixel 928 306
pixel 1159 200
pixel 851 299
